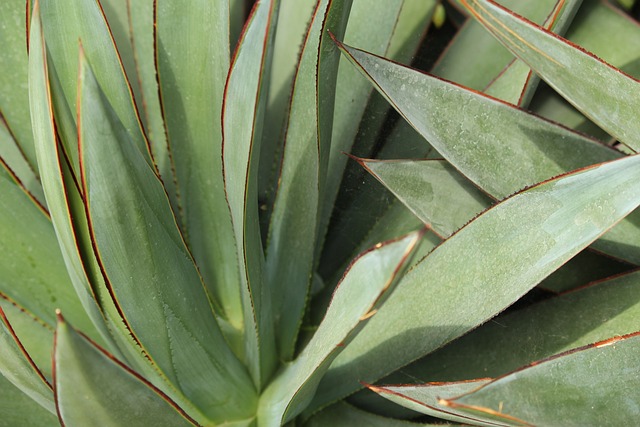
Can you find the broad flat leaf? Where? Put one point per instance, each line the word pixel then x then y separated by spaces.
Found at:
pixel 425 398
pixel 148 269
pixel 19 410
pixel 594 313
pixel 20 370
pixel 530 149
pixel 363 289
pixel 242 121
pixel 64 25
pixel 92 384
pixel 344 415
pixel 192 42
pixel 433 190
pixel 601 92
pixel 483 268
pixel 32 270
pixel 14 91
pixel 594 385
pixel 36 337
pixel 293 228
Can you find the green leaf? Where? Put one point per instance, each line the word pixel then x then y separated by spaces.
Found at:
pixel 294 18
pixel 537 149
pixel 594 385
pixel 64 24
pixel 517 83
pixel 433 190
pixel 190 43
pixel 53 179
pixel 19 410
pixel 294 221
pixel 485 267
pixel 344 415
pixel 141 29
pixel 393 28
pixel 425 398
pixel 242 122
pixel 69 219
pixel 35 336
pixel 14 91
pixel 363 289
pixel 474 49
pixel 148 269
pixel 32 273
pixel 14 162
pixel 590 314
pixel 19 369
pixel 598 90
pixel 92 384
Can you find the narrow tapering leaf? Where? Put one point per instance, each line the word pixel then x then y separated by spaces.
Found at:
pixel 16 408
pixel 433 190
pixel 425 398
pixel 601 92
pixel 538 149
pixel 357 298
pixel 485 267
pixel 147 266
pixel 64 24
pixel 19 368
pixel 192 54
pixel 242 121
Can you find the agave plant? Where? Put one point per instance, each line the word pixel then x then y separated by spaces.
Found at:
pixel 186 243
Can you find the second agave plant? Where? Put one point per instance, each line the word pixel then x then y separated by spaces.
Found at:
pixel 185 241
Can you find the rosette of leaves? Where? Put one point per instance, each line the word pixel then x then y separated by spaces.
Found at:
pixel 186 243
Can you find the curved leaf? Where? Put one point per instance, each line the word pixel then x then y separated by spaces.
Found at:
pixel 192 42
pixel 345 415
pixel 19 369
pixel 485 267
pixel 242 122
pixel 147 267
pixel 14 90
pixel 35 336
pixel 91 384
pixel 529 149
pixel 432 190
pixel 19 410
pixel 363 289
pixel 594 385
pixel 293 227
pixel 598 90
pixel 425 398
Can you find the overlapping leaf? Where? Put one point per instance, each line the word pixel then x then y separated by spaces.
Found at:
pixel 530 149
pixel 485 267
pixel 594 385
pixel 242 121
pixel 362 291
pixel 147 267
pixel 192 43
pixel 91 385
pixel 601 92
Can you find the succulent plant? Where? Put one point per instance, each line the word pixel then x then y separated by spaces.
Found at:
pixel 185 241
